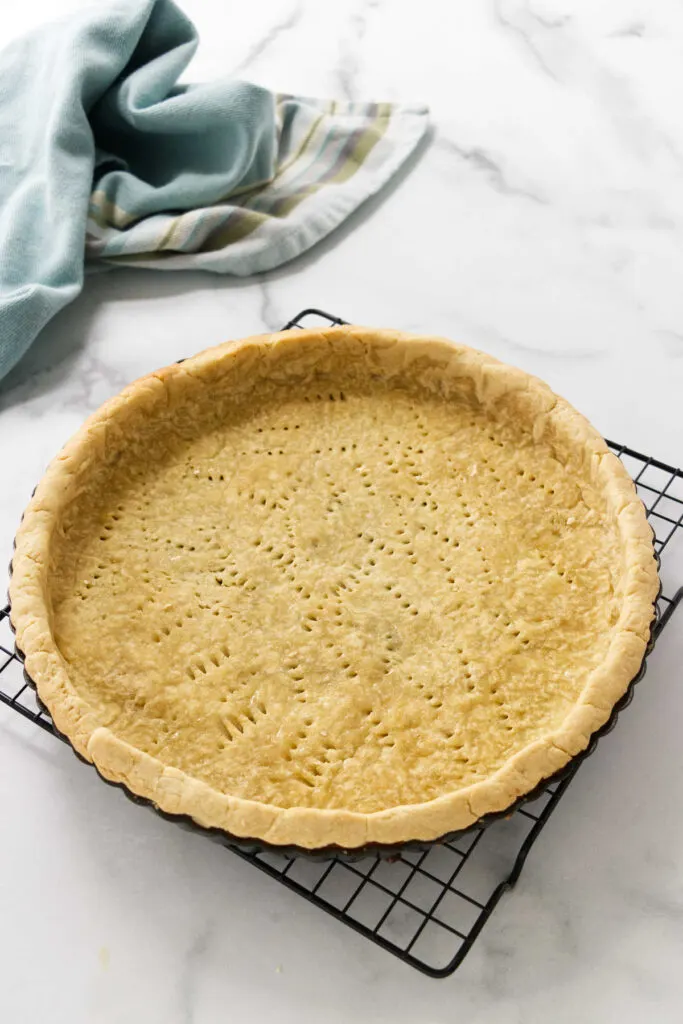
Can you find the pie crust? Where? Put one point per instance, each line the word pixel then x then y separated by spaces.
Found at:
pixel 337 587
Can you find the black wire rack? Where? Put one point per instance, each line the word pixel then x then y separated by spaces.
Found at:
pixel 426 906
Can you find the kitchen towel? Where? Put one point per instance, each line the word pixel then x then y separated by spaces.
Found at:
pixel 105 157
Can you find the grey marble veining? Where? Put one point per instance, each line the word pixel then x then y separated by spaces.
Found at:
pixel 543 222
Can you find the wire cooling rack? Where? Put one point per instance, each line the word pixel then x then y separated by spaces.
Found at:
pixel 428 907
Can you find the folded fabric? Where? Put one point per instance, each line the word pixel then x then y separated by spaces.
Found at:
pixel 104 154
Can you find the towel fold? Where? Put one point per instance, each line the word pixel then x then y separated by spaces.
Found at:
pixel 104 156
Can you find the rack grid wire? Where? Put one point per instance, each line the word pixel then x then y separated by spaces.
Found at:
pixel 426 907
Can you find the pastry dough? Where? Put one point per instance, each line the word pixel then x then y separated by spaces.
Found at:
pixel 333 587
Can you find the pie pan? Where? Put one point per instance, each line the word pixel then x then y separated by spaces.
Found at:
pixel 352 590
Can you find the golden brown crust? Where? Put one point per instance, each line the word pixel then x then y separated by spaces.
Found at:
pixel 443 366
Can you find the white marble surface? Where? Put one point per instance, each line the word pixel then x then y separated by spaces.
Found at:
pixel 543 223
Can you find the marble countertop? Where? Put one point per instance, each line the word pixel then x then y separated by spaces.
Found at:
pixel 542 222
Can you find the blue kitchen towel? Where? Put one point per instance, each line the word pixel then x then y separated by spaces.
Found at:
pixel 105 157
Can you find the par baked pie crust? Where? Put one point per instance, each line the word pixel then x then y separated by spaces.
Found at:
pixel 333 587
